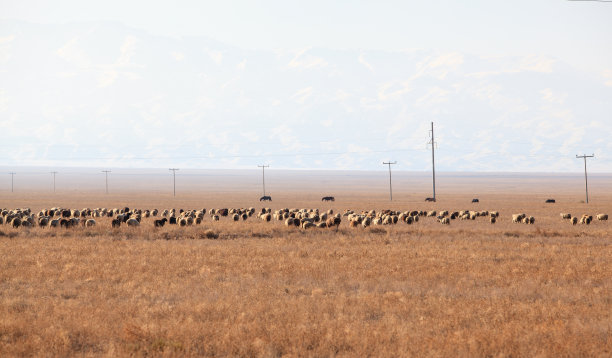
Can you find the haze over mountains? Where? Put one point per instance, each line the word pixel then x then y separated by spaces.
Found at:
pixel 104 94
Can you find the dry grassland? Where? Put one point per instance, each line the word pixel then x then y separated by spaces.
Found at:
pixel 261 289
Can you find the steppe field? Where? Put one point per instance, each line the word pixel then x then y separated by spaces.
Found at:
pixel 255 288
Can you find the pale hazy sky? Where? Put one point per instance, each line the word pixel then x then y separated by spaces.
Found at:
pixel 578 32
pixel 511 85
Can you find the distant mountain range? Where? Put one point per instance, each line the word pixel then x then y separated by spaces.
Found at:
pixel 103 94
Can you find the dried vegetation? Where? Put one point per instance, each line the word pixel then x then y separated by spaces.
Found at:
pixel 262 289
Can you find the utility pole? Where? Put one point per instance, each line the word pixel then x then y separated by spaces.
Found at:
pixel 390 190
pixel 174 175
pixel 106 172
pixel 263 176
pixel 12 181
pixel 433 160
pixel 54 180
pixel 586 182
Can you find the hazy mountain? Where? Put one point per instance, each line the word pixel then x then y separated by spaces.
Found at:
pixel 103 94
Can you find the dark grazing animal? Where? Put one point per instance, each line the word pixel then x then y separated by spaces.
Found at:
pixel 430 199
pixel 65 223
pixel 475 200
pixel 172 220
pixel 328 198
pixel 160 223
pixel 116 223
pixel 265 198
pixel 550 201
pixel 16 222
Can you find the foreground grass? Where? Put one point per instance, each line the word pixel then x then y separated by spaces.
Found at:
pixel 264 290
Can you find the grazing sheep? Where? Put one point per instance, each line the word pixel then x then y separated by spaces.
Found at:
pixel 65 223
pixel 307 225
pixel 430 199
pixel 353 223
pixel 236 217
pixel 574 220
pixel 116 223
pixel 160 222
pixel 550 201
pixel 321 225
pixel 43 221
pixel 602 217
pixel 215 218
pixel 289 222
pixel 133 222
pixel 328 198
pixel 531 220
pixel 265 198
pixel 445 221
pixel 475 200
pixel 494 214
pixel 90 223
pixel 566 216
pixel 366 222
pixel 493 219
pixel 172 220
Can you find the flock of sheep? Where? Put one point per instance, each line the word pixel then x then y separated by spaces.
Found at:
pixel 303 218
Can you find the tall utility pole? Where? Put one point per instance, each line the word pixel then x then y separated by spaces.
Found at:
pixel 263 176
pixel 174 175
pixel 12 181
pixel 586 182
pixel 106 172
pixel 390 190
pixel 53 180
pixel 433 160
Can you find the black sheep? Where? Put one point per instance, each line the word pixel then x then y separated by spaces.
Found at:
pixel 160 223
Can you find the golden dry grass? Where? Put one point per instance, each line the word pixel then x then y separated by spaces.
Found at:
pixel 260 289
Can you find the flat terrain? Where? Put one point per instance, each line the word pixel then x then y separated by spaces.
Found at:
pixel 262 289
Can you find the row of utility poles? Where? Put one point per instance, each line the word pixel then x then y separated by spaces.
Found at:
pixel 263 167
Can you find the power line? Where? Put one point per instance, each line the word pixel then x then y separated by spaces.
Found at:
pixel 174 176
pixel 263 176
pixel 586 182
pixel 390 189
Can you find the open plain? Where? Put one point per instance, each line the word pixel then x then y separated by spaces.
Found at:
pixel 256 288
